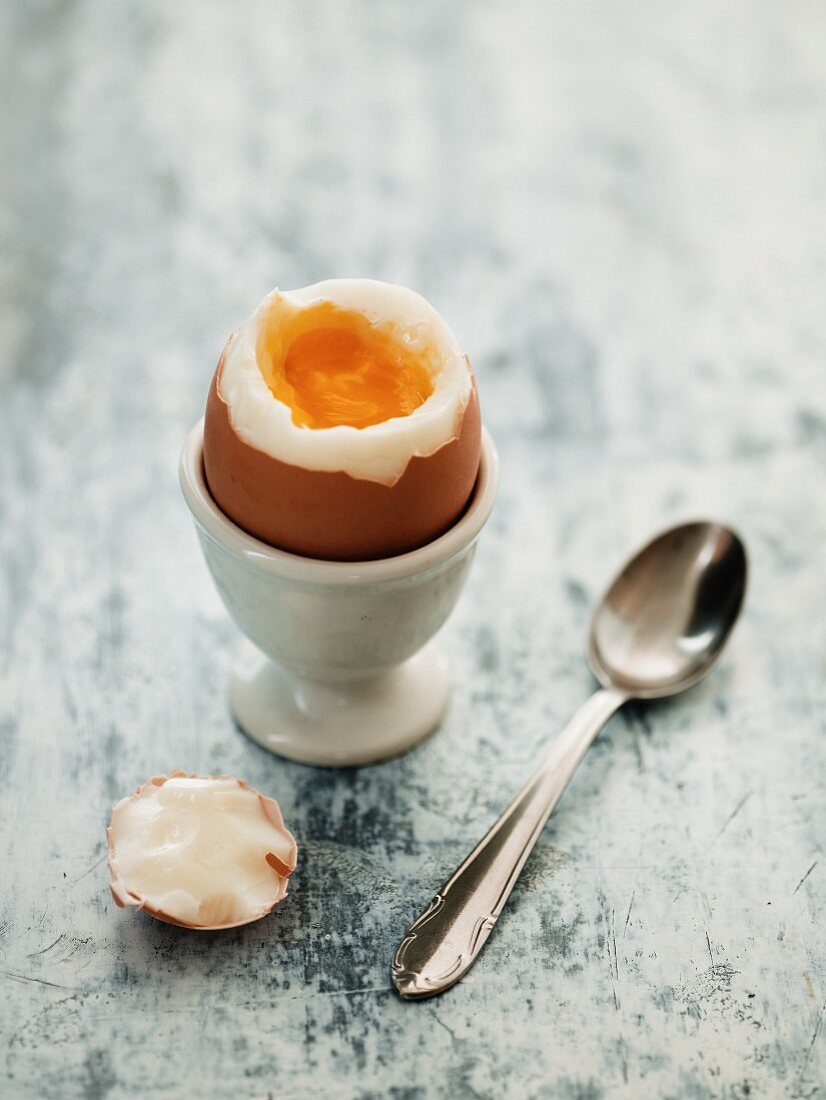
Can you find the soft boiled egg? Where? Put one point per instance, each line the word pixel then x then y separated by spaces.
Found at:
pixel 205 852
pixel 343 422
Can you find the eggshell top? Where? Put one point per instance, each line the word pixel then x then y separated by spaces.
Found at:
pixel 201 851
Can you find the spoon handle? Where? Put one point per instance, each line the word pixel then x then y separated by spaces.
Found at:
pixel 445 940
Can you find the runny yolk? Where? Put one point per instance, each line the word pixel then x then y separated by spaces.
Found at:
pixel 338 368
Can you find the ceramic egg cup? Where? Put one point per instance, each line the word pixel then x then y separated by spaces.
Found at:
pixel 339 667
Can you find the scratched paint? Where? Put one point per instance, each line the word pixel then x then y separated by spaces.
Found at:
pixel 621 215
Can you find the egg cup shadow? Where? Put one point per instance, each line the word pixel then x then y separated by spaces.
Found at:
pixel 339 668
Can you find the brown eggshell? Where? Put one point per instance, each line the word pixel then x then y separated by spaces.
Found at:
pixel 124 898
pixel 331 515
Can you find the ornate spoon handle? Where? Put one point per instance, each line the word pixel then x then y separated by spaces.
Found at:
pixel 444 942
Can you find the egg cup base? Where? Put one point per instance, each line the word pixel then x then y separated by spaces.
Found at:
pixel 339 724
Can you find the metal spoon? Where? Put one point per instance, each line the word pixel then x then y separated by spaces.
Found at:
pixel 657 630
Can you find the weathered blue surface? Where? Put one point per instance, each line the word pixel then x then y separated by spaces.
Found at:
pixel 619 208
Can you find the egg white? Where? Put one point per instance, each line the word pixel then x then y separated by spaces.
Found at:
pixel 379 452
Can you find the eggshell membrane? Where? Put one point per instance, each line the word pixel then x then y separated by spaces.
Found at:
pixel 330 514
pixel 125 898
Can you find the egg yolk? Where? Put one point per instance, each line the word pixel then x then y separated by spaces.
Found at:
pixel 338 368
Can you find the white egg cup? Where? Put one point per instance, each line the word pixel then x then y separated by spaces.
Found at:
pixel 339 667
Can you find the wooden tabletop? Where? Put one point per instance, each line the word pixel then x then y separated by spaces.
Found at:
pixel 620 210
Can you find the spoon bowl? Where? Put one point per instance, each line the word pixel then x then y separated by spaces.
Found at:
pixel 666 617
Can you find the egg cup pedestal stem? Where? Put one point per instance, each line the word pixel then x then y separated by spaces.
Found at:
pixel 339 723
pixel 339 667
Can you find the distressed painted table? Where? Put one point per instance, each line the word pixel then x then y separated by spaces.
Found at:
pixel 620 210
